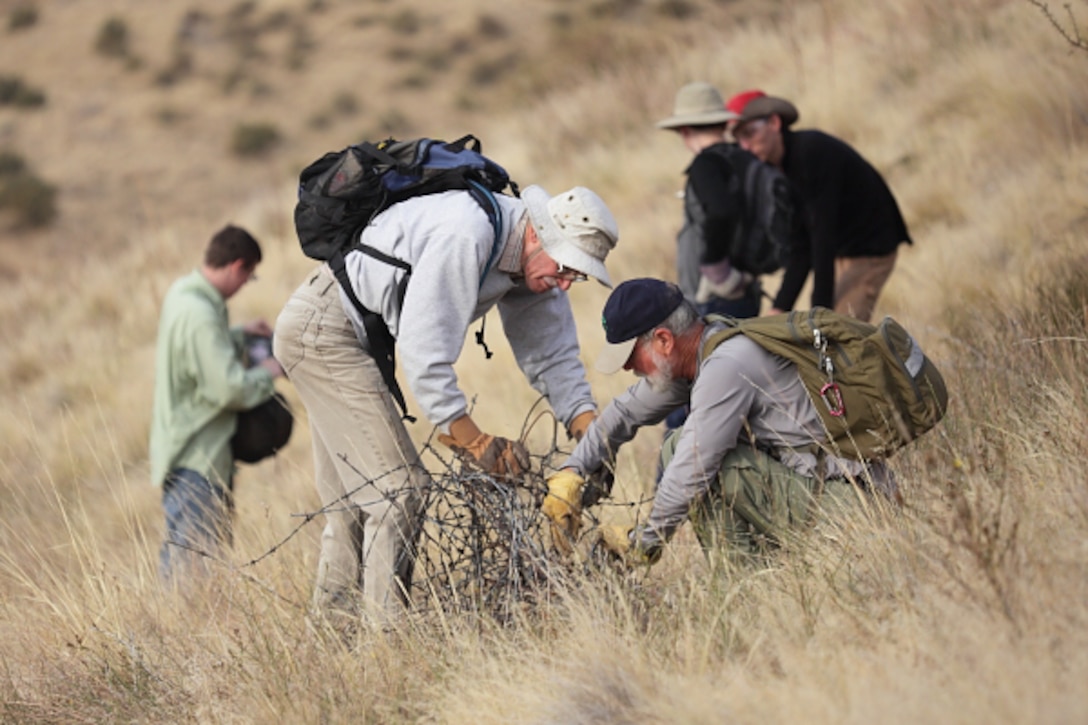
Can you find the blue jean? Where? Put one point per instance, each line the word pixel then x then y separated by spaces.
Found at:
pixel 198 523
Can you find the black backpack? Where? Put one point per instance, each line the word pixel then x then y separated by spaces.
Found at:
pixel 762 243
pixel 340 193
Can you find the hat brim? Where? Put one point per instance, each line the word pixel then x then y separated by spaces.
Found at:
pixel 614 356
pixel 767 105
pixel 698 119
pixel 555 243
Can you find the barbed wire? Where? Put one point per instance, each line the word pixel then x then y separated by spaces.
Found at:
pixel 479 543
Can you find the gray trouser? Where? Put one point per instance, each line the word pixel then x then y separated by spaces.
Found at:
pixel 756 502
pixel 367 469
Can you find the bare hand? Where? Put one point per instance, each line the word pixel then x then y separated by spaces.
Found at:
pixel 273 366
pixel 257 327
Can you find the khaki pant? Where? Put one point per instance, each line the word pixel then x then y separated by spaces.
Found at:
pixel 858 282
pixel 756 503
pixel 367 470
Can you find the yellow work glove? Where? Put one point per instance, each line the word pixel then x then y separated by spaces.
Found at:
pixel 563 506
pixel 616 540
pixel 580 424
pixel 491 454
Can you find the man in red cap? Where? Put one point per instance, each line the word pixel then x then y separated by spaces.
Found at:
pixel 851 223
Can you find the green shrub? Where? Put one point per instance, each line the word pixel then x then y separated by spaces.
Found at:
pixel 22 16
pixel 254 139
pixel 345 103
pixel 113 39
pixel 23 196
pixel 11 164
pixel 302 45
pixel 677 9
pixel 491 28
pixel 14 92
pixel 406 22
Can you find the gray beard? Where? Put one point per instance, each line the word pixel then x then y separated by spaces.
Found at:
pixel 661 379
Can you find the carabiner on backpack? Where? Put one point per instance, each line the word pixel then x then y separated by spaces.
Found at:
pixel 832 397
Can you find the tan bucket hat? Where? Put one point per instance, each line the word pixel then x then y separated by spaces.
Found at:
pixel 697 104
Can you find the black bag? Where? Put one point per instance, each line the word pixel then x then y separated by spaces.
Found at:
pixel 342 191
pixel 762 243
pixel 263 430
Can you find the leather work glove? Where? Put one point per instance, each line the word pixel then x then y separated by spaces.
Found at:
pixel 580 424
pixel 616 540
pixel 491 454
pixel 563 506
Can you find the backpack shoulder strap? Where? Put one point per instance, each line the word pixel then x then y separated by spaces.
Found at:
pixel 486 199
pixel 732 329
pixel 382 344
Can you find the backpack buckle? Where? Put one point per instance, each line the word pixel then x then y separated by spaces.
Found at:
pixel 832 397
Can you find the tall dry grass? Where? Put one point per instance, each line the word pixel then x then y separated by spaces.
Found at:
pixel 967 605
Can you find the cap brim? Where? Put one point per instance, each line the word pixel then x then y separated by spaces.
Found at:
pixel 614 356
pixel 553 241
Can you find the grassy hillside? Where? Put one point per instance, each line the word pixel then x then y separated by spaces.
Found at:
pixel 967 605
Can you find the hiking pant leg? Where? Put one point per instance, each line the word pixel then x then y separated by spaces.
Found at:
pixel 363 457
pixel 198 522
pixel 858 282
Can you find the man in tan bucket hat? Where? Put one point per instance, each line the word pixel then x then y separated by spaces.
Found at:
pixel 851 223
pixel 714 210
pixel 711 215
pixel 368 471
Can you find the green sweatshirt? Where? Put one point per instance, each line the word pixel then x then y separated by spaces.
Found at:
pixel 200 383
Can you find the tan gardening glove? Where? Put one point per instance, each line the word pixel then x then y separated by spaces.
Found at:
pixel 563 506
pixel 580 424
pixel 496 456
pixel 616 540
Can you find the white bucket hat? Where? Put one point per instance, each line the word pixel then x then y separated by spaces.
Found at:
pixel 698 104
pixel 575 228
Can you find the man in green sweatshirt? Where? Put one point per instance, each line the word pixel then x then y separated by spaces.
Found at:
pixel 201 384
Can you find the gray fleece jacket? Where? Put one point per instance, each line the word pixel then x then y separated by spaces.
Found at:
pixel 447 238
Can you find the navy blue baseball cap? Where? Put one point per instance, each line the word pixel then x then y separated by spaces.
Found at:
pixel 635 307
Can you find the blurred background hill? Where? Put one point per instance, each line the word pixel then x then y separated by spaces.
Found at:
pixel 130 131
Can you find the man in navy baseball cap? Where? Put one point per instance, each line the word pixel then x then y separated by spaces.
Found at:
pixel 634 308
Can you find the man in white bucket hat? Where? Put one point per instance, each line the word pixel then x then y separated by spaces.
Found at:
pixel 368 472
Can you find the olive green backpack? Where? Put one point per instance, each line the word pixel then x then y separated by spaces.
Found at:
pixel 873 386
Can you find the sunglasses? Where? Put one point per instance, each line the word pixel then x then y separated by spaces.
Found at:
pixel 569 275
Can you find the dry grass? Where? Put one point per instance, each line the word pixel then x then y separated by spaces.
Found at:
pixel 966 606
